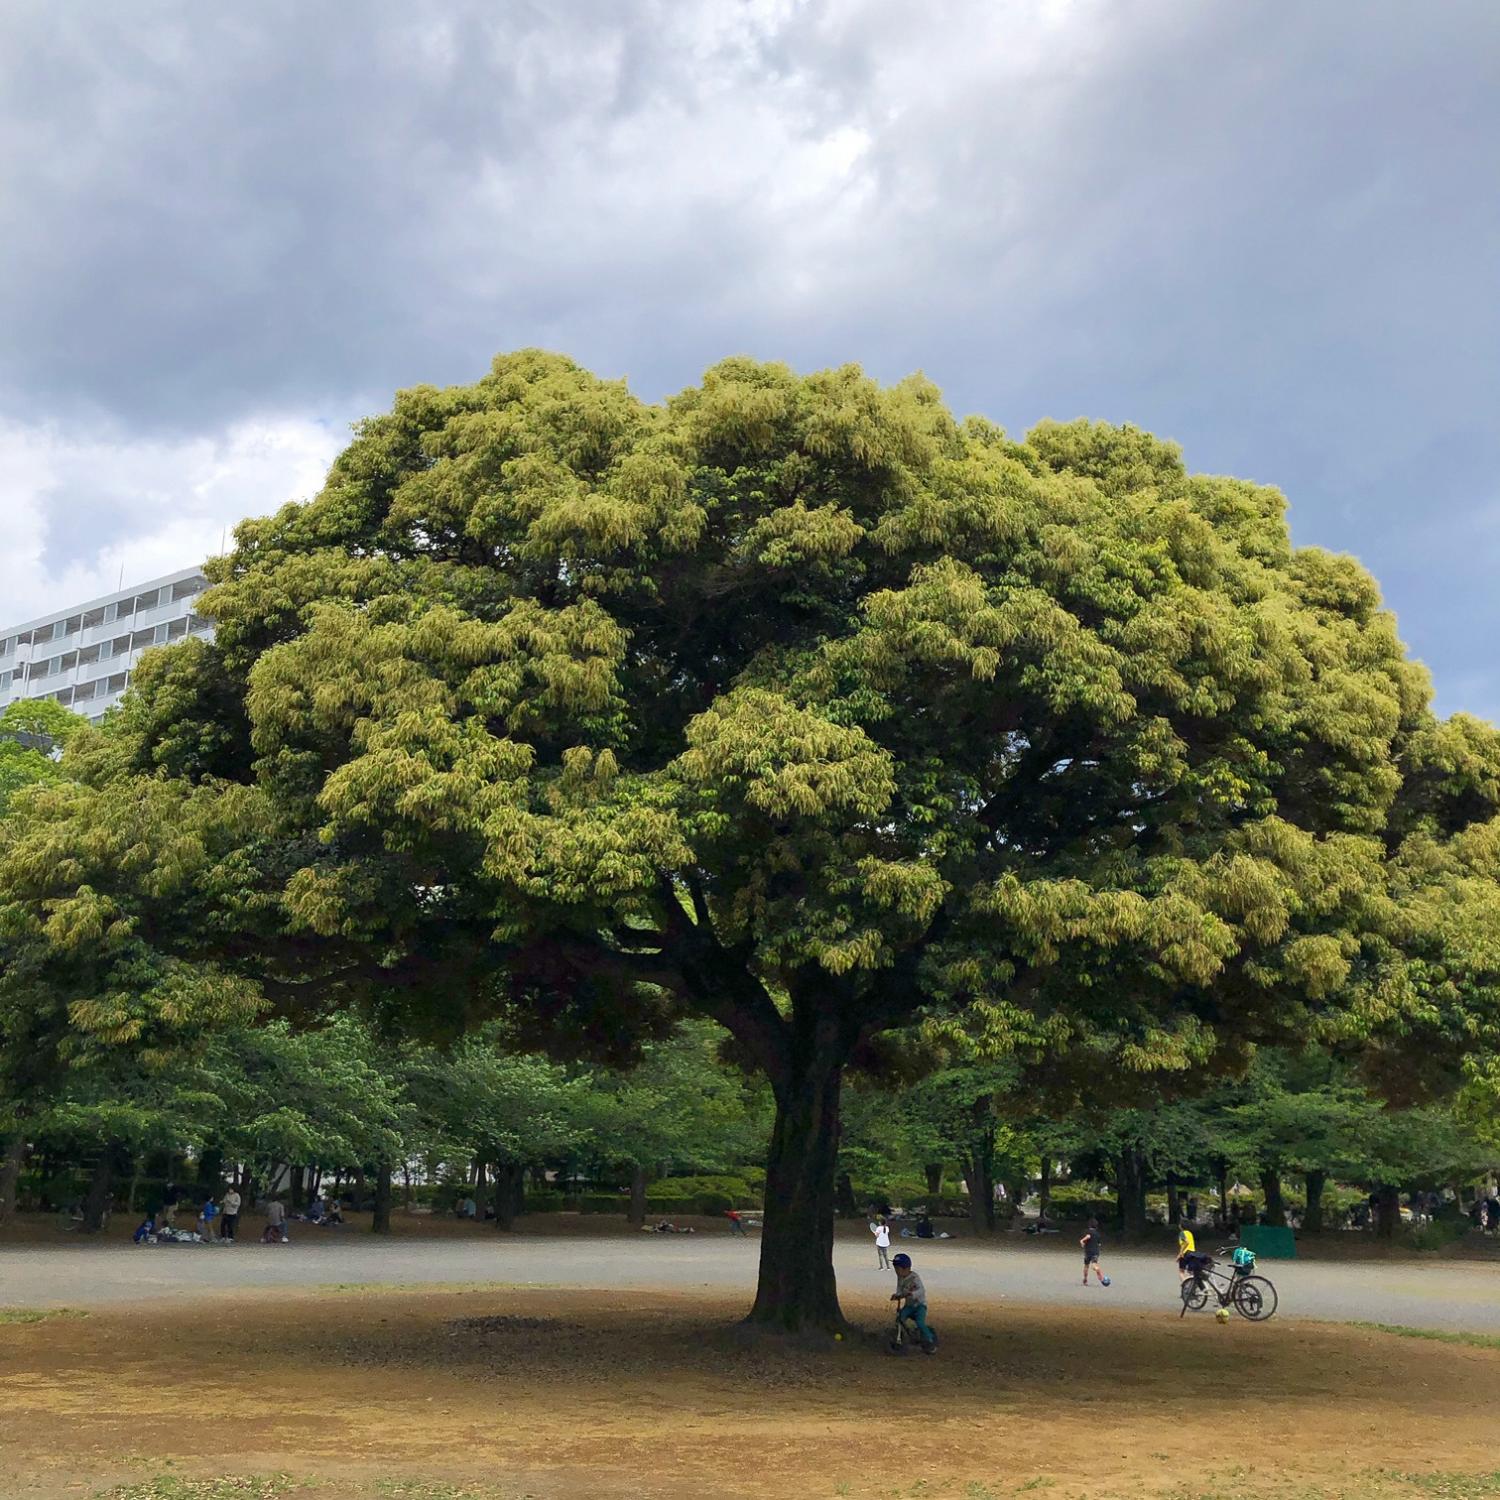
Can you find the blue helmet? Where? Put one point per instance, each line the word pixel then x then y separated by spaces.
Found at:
pixel 901 1260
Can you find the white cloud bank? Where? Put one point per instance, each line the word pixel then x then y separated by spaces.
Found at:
pixel 78 514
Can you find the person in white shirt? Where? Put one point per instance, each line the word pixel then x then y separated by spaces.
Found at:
pixel 229 1221
pixel 882 1232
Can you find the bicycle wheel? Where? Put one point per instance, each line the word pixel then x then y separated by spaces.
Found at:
pixel 1254 1298
pixel 1194 1295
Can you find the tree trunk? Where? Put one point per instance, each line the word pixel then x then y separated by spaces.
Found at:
pixel 636 1213
pixel 844 1196
pixel 979 1165
pixel 934 1174
pixel 1016 1189
pixel 509 1189
pixel 97 1200
pixel 381 1224
pixel 406 1192
pixel 10 1174
pixel 1312 1220
pixel 210 1169
pixel 981 1186
pixel 1044 1187
pixel 1222 1172
pixel 1130 1191
pixel 1174 1203
pixel 797 1291
pixel 1387 1212
pixel 1270 1188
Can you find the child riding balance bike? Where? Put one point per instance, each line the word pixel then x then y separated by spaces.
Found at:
pixel 910 1298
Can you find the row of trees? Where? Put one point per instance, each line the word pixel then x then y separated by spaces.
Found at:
pixel 792 704
pixel 1303 1117
pixel 270 1104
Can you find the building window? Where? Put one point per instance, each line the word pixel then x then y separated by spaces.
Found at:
pixel 188 588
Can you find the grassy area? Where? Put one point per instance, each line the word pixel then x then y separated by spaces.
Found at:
pixel 1232 1483
pixel 440 1394
pixel 1436 1336
pixel 37 1314
pixel 278 1486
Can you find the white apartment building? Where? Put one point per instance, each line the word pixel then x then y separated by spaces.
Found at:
pixel 83 656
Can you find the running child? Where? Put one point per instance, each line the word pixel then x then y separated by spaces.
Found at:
pixel 1093 1243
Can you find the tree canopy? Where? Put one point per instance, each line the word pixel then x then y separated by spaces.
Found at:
pixel 795 703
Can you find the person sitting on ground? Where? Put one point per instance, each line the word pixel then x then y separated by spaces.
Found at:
pixel 924 1228
pixel 334 1214
pixel 275 1222
pixel 315 1210
pixel 911 1297
pixel 146 1231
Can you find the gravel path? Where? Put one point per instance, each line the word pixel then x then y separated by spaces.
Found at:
pixel 1458 1296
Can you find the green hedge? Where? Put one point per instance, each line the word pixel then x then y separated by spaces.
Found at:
pixel 714 1193
pixel 666 1197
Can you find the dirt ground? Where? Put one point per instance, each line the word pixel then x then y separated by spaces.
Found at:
pixel 509 1393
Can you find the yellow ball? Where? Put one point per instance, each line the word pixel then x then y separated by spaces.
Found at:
pixel 1222 1315
pixel 839 1337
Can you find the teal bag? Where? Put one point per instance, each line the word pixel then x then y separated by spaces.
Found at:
pixel 1244 1260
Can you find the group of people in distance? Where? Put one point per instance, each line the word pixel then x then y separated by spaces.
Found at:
pixel 219 1219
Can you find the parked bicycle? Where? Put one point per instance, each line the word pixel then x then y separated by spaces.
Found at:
pixel 1250 1295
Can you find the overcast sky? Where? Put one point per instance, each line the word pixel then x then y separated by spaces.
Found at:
pixel 1270 231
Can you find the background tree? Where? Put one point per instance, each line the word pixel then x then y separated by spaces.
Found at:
pixel 796 704
pixel 680 1108
pixel 504 1110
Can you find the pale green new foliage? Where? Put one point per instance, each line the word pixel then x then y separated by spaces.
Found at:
pixel 796 702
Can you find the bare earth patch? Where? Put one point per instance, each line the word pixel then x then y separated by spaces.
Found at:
pixel 499 1393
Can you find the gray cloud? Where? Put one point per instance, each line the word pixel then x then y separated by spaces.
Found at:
pixel 1271 232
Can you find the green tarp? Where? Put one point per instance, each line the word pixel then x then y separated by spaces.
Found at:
pixel 1269 1241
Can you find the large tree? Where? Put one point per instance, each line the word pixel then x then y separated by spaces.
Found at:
pixel 795 703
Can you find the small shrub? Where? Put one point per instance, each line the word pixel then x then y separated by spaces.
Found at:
pixel 1436 1235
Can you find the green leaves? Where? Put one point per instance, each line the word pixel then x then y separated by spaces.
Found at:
pixel 788 700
